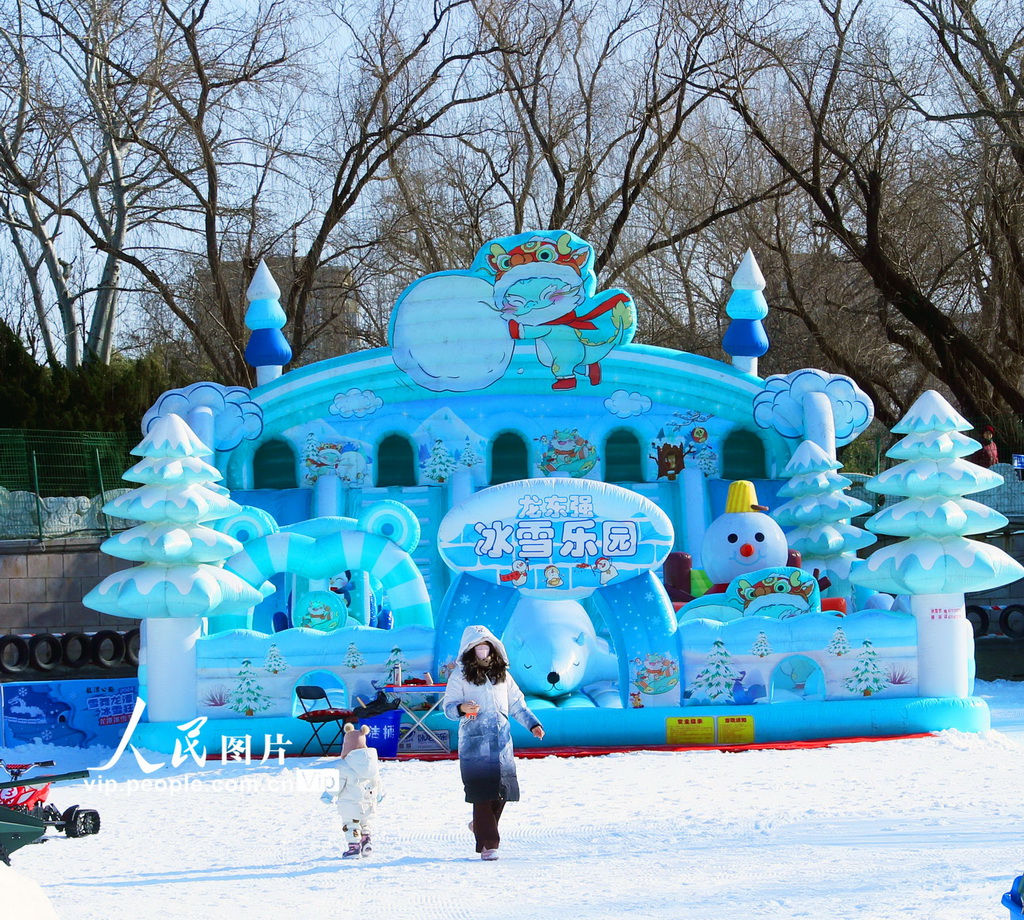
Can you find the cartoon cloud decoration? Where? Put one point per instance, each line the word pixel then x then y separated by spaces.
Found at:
pixel 829 409
pixel 937 564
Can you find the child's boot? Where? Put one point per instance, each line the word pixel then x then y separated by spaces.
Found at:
pixel 367 845
pixel 354 849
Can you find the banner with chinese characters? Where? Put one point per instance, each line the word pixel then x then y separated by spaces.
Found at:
pixel 555 538
pixel 67 713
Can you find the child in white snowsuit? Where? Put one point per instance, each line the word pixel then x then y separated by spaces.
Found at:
pixel 359 790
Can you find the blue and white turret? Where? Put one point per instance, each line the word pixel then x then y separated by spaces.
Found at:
pixel 745 340
pixel 268 350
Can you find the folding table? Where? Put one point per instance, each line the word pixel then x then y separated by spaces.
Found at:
pixel 433 695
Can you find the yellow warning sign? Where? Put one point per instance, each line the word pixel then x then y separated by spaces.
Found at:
pixel 735 729
pixel 690 730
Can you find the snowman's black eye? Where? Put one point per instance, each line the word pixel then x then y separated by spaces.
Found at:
pixel 759 537
pixel 733 538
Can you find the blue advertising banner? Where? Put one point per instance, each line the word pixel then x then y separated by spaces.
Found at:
pixel 69 713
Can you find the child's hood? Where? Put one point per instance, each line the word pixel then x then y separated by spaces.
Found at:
pixel 362 762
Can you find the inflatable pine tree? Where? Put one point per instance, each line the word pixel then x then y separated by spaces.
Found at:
pixel 838 645
pixel 866 677
pixel 274 662
pixel 248 697
pixel 761 647
pixel 936 564
pixel 819 511
pixel 179 580
pixel 717 677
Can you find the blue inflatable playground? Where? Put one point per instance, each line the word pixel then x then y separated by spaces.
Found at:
pixel 664 542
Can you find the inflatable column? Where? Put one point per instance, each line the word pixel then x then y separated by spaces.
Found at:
pixel 945 644
pixel 170 668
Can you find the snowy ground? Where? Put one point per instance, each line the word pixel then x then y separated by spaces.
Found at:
pixel 926 828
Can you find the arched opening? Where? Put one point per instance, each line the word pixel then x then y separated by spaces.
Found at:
pixel 337 692
pixel 797 677
pixel 623 461
pixel 396 462
pixel 509 459
pixel 273 466
pixel 743 456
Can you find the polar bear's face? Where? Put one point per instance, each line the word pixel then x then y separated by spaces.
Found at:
pixel 540 300
pixel 550 666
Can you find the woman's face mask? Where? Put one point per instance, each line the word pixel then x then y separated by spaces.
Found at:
pixel 482 650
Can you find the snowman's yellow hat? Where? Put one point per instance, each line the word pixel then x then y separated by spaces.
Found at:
pixel 742 497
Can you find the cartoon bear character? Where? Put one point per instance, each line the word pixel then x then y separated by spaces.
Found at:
pixel 544 287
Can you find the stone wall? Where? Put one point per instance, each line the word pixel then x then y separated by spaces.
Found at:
pixel 42 586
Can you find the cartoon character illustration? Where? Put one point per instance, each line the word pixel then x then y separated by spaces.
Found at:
pixel 699 434
pixel 567 453
pixel 544 286
pixel 344 459
pixel 656 673
pixel 796 583
pixel 671 459
pixel 517 577
pixel 552 577
pixel 742 540
pixel 743 694
pixel 605 569
pixel 636 701
pixel 38 714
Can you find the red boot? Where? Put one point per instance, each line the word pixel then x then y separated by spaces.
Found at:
pixel 564 383
pixel 594 373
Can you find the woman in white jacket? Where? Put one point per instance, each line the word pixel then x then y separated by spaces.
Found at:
pixel 481 696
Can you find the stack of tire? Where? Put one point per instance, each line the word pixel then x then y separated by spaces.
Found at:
pixel 46 652
pixel 1011 620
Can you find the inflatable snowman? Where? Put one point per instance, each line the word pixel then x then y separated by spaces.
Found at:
pixel 742 540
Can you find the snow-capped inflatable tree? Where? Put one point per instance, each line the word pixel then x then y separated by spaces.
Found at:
pixel 819 511
pixel 179 580
pixel 937 563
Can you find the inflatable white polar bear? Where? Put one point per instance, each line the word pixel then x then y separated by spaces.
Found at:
pixel 555 653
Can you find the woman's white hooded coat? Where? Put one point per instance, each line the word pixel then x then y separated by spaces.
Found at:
pixel 485 743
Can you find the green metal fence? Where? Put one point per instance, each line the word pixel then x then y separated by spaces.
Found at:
pixel 54 483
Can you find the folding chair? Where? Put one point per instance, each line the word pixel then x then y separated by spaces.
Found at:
pixel 319 719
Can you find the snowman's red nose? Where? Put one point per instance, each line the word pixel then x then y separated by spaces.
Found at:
pixel 746 550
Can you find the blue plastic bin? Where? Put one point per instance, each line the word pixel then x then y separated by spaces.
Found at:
pixel 1012 898
pixel 384 732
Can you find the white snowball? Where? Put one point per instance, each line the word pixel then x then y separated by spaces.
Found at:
pixel 447 335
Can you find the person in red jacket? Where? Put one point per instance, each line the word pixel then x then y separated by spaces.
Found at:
pixel 989 453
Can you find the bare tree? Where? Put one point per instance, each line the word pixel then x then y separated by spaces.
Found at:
pixel 837 104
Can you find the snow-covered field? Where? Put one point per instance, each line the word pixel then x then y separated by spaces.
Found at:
pixel 928 828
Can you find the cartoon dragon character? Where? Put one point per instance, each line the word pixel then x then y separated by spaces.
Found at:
pixel 567 452
pixel 795 584
pixel 545 288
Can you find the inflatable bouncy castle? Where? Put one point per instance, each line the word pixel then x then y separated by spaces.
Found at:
pixel 664 542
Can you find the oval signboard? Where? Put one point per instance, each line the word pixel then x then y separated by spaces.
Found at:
pixel 555 538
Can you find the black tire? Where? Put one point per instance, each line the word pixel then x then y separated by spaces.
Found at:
pixel 979 620
pixel 44 652
pixel 132 639
pixel 76 648
pixel 107 648
pixel 81 822
pixel 1011 621
pixel 13 654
